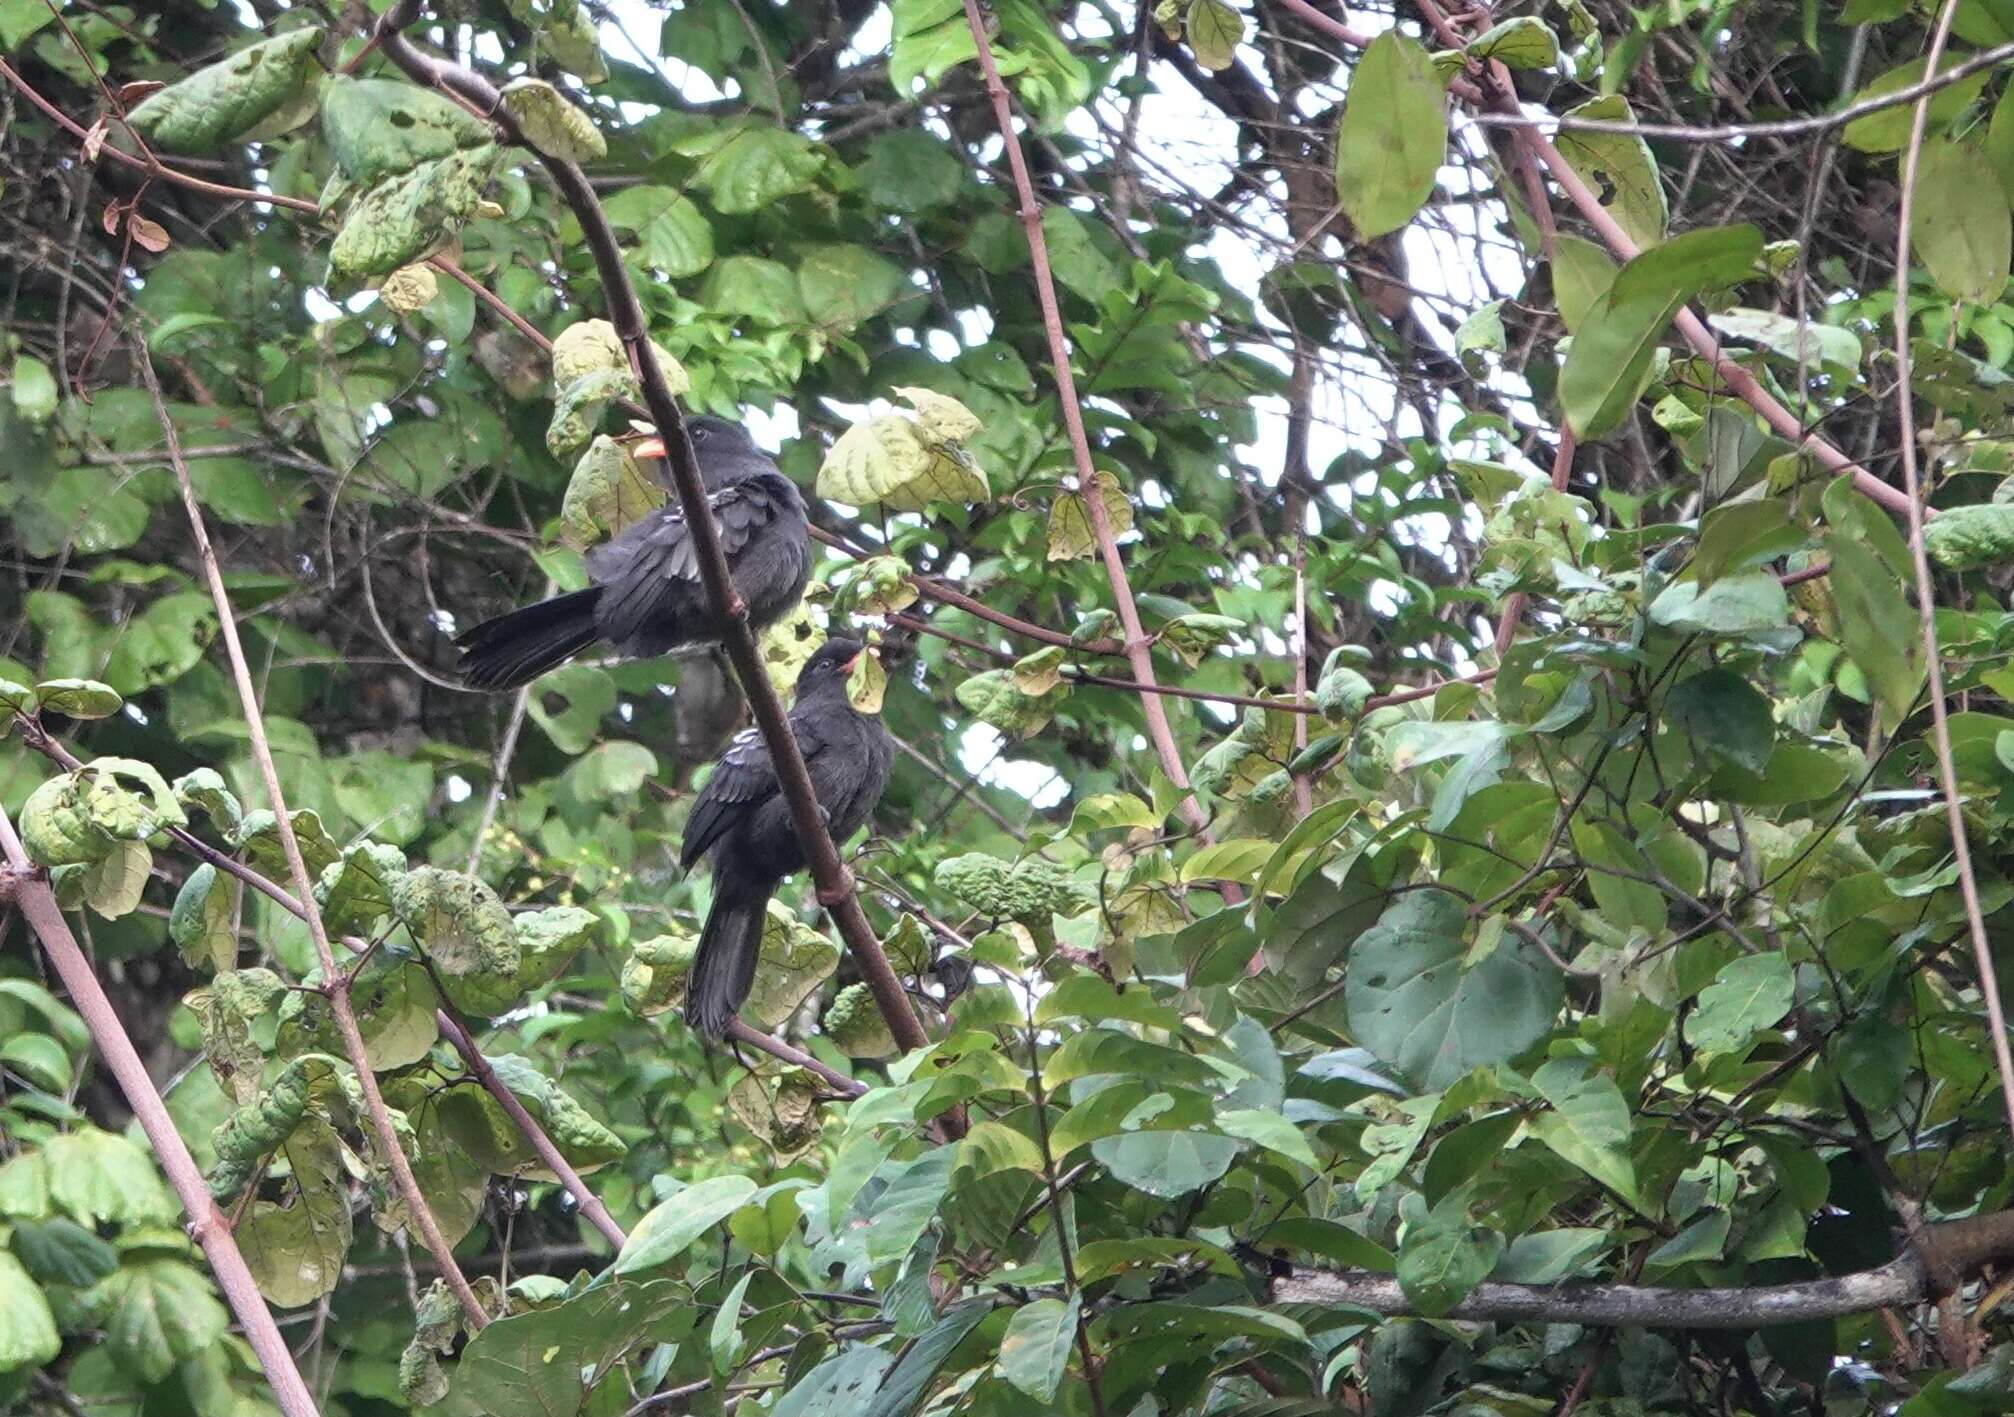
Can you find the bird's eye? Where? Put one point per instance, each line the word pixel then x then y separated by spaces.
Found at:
pixel 698 434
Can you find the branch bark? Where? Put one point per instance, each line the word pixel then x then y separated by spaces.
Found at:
pixel 834 881
pixel 1926 597
pixel 335 983
pixel 1138 653
pixel 37 904
pixel 1936 1261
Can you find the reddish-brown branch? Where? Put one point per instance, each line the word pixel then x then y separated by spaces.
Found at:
pixel 335 984
pixel 1137 645
pixel 31 895
pixel 777 1048
pixel 834 881
pixel 1926 591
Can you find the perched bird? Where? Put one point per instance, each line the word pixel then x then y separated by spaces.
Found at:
pixel 646 597
pixel 742 822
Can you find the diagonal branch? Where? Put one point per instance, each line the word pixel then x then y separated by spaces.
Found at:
pixel 28 890
pixel 834 881
pixel 1926 596
pixel 1138 653
pixel 335 982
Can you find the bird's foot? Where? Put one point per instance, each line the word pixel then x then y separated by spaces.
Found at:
pixel 840 892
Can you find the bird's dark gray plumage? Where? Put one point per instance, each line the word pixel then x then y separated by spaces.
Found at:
pixel 647 598
pixel 742 823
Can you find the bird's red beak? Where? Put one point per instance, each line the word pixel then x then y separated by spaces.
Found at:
pixel 854 663
pixel 650 448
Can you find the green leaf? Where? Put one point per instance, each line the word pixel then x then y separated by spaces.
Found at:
pixel 38 1058
pixel 551 124
pixel 673 237
pixel 1611 360
pixel 62 1252
pixel 756 287
pixel 1393 136
pixel 1968 537
pixel 664 1233
pixel 1887 131
pixel 1589 1126
pixel 1443 1258
pixel 1627 902
pixel 1811 344
pixel 1166 1163
pixel 78 698
pixel 231 100
pixel 1963 230
pixel 400 219
pixel 1035 1349
pixel 1582 272
pixel 28 1336
pixel 1731 606
pixel 156 1313
pixel 838 1386
pixel 34 389
pixel 1726 716
pixel 1877 627
pixel 1619 168
pixel 1076 258
pixel 1742 535
pixel 1521 43
pixel 100 1176
pixel 1412 1004
pixel 379 128
pixel 534 1364
pixel 1747 995
pixel 910 1203
pixel 60 1018
pixel 1267 1128
pixel 758 166
pixel 910 170
pixel 910 1379
pixel 1214 31
pixel 844 285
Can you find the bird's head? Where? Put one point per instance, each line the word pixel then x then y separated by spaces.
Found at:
pixel 830 664
pixel 709 435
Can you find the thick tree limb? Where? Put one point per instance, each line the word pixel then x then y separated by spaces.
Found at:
pixel 1931 1267
pixel 835 882
pixel 30 894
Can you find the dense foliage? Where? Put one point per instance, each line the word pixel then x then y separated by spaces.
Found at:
pixel 1632 947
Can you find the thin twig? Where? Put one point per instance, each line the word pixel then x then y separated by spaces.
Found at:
pixel 335 985
pixel 1926 602
pixel 31 895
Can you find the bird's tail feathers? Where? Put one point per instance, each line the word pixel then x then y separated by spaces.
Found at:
pixel 518 646
pixel 723 969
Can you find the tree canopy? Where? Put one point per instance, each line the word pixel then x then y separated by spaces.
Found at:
pixel 1440 582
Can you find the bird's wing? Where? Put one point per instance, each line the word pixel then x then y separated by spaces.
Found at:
pixel 742 780
pixel 640 568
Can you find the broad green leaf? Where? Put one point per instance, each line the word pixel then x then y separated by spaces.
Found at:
pixel 1731 606
pixel 1582 272
pixel 402 218
pixel 1589 1125
pixel 1742 535
pixel 1963 229
pixel 101 1176
pixel 1611 360
pixel 233 99
pixel 1877 627
pixel 1965 538
pixel 909 170
pixel 1214 31
pixel 1520 43
pixel 664 1233
pixel 757 166
pixel 843 286
pixel 1887 130
pixel 673 236
pixel 28 1336
pixel 1811 344
pixel 1726 716
pixel 910 1379
pixel 1413 1005
pixel 1035 1349
pixel 1747 995
pixel 1444 1257
pixel 1619 168
pixel 1393 136
pixel 379 128
pixel 1070 532
pixel 156 1313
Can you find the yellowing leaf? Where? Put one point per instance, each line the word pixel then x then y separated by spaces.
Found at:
pixel 890 461
pixel 1070 531
pixel 1215 31
pixel 942 418
pixel 408 288
pixel 608 491
pixel 551 124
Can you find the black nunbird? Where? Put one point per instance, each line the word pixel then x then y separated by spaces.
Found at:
pixel 743 822
pixel 647 598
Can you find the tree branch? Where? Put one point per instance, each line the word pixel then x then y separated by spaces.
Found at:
pixel 30 893
pixel 335 983
pixel 1138 653
pixel 1926 595
pixel 834 881
pixel 1937 1260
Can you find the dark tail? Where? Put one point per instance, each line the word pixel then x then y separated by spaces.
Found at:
pixel 723 971
pixel 515 648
